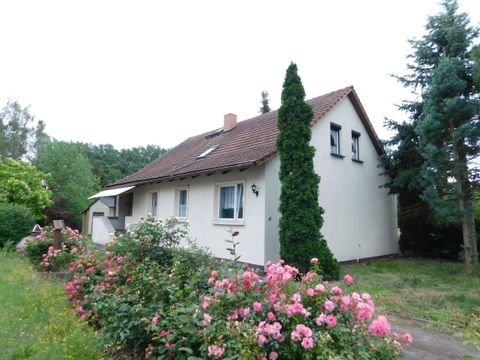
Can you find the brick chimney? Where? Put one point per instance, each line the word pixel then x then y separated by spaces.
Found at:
pixel 229 122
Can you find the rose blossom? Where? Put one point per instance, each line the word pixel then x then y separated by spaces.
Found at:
pixel 348 279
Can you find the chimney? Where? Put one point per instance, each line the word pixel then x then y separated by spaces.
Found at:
pixel 229 122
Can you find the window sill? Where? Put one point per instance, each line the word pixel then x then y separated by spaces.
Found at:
pixel 337 155
pixel 183 220
pixel 228 222
pixel 357 161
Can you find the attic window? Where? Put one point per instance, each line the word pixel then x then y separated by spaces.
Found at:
pixel 206 152
pixel 214 133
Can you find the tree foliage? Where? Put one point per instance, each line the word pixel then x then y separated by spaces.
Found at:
pixel 430 164
pixel 110 164
pixel 72 180
pixel 301 220
pixel 16 221
pixel 23 184
pixel 265 108
pixel 20 134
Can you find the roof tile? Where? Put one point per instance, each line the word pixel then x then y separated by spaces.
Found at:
pixel 249 143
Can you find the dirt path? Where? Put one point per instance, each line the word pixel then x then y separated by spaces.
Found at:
pixel 432 345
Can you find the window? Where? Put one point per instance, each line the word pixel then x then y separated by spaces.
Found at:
pixel 153 207
pixel 206 152
pixel 230 201
pixel 181 203
pixel 335 139
pixel 355 145
pixel 128 204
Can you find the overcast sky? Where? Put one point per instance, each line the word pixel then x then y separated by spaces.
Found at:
pixel 132 73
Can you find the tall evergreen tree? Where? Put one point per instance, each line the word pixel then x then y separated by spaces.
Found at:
pixel 449 36
pixel 265 108
pixel 449 140
pixel 301 215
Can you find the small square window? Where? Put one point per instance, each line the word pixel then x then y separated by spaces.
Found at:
pixel 335 139
pixel 230 201
pixel 355 145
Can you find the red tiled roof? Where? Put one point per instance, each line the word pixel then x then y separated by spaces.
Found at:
pixel 251 142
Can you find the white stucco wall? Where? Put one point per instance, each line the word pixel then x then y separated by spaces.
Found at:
pixel 103 230
pixel 97 207
pixel 202 223
pixel 360 218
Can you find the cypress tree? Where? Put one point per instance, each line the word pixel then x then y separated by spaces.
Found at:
pixel 301 215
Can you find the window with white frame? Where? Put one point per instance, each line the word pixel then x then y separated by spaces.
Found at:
pixel 153 203
pixel 230 201
pixel 335 139
pixel 355 145
pixel 181 203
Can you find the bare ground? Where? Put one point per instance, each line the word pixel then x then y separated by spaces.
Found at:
pixel 432 345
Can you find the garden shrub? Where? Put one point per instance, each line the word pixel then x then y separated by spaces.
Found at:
pixel 41 253
pixel 144 272
pixel 16 221
pixel 191 306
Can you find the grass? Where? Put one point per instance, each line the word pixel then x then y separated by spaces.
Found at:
pixel 35 320
pixel 438 293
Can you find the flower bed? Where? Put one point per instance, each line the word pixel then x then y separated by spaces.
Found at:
pixel 153 299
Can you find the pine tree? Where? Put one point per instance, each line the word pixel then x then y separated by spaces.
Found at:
pixel 265 108
pixel 301 215
pixel 441 118
pixel 449 140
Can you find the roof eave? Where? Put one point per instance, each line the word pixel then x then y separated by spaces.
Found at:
pixel 183 175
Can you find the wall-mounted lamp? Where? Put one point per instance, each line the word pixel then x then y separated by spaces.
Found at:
pixel 255 189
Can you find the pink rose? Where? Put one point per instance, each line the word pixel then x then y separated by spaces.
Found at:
pixel 329 305
pixel 331 320
pixel 348 279
pixel 314 261
pixel 273 356
pixel 307 343
pixel 257 306
pixel 261 339
pixel 380 326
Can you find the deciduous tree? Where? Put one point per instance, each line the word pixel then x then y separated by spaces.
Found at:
pixel 20 134
pixel 72 180
pixel 22 184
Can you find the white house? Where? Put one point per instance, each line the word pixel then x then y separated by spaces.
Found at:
pixel 227 179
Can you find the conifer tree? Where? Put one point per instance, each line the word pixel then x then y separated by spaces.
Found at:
pixel 301 215
pixel 265 108
pixel 449 140
pixel 443 124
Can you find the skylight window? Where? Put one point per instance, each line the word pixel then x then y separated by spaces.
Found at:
pixel 206 152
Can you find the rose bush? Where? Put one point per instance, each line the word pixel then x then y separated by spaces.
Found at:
pixel 277 316
pixel 153 299
pixel 41 252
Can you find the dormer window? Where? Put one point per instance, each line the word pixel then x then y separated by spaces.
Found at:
pixel 206 152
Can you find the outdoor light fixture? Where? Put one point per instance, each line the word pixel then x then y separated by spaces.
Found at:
pixel 255 189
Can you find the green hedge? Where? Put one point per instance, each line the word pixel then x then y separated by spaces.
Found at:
pixel 16 221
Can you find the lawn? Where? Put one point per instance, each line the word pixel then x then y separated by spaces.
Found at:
pixel 35 321
pixel 437 293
